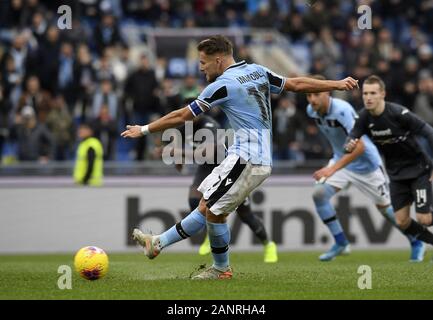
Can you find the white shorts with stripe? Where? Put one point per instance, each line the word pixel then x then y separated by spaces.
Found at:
pixel 227 186
pixel 374 184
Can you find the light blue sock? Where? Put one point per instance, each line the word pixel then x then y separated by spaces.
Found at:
pixel 322 196
pixel 189 226
pixel 219 237
pixel 388 213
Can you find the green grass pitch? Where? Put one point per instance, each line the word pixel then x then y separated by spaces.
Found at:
pixel 297 275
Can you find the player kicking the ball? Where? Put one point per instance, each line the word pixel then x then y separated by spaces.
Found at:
pixel 361 168
pixel 242 91
pixel 210 148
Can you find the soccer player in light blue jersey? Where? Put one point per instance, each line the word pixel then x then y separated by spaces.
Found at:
pixel 361 168
pixel 242 91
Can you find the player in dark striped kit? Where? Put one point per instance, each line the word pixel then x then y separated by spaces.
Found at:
pixel 393 129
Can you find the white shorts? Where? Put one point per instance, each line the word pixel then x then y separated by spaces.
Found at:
pixel 374 184
pixel 227 186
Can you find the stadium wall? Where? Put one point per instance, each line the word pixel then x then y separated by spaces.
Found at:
pixel 42 215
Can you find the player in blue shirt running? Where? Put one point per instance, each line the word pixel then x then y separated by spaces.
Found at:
pixel 362 168
pixel 242 91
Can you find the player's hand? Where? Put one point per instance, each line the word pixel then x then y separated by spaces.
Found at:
pixel 132 132
pixel 351 145
pixel 323 174
pixel 348 84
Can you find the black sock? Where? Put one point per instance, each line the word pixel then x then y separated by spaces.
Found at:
pixel 419 232
pixel 256 226
pixel 193 203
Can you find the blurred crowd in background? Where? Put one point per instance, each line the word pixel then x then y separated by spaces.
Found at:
pixel 52 79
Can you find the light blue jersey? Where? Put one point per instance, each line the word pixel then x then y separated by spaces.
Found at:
pixel 336 125
pixel 243 93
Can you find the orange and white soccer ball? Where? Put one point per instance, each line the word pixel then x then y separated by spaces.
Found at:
pixel 91 263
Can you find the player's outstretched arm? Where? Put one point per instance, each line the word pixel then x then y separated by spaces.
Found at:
pixel 172 120
pixel 310 85
pixel 326 172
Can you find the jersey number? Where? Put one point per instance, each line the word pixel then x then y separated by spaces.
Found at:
pixel 261 96
pixel 421 196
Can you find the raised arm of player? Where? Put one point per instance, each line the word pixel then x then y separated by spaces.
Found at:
pixel 173 119
pixel 310 85
pixel 326 172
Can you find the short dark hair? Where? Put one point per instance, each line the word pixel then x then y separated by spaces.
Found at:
pixel 86 124
pixel 373 79
pixel 216 44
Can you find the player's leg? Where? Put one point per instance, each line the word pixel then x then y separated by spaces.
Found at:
pixel 219 238
pixel 374 185
pixel 192 224
pixel 423 196
pixel 223 193
pixel 401 199
pixel 322 194
pixel 417 246
pixel 257 227
pixel 194 199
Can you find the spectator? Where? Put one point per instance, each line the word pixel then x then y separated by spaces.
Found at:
pixel 35 142
pixel 190 88
pixel 4 123
pixel 288 126
pixel 408 84
pixel 107 33
pixel 105 128
pixel 66 74
pixel 39 26
pixel 105 96
pixel 170 97
pixel 11 14
pixel 329 52
pixel 19 52
pixel 314 145
pixel 423 106
pixel 122 65
pixel 48 54
pixel 11 79
pixel 104 70
pixel 35 97
pixel 264 18
pixel 59 122
pixel 141 87
pixel 85 80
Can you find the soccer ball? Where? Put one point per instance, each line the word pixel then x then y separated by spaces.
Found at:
pixel 91 263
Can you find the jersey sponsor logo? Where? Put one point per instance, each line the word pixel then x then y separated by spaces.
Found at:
pixel 381 133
